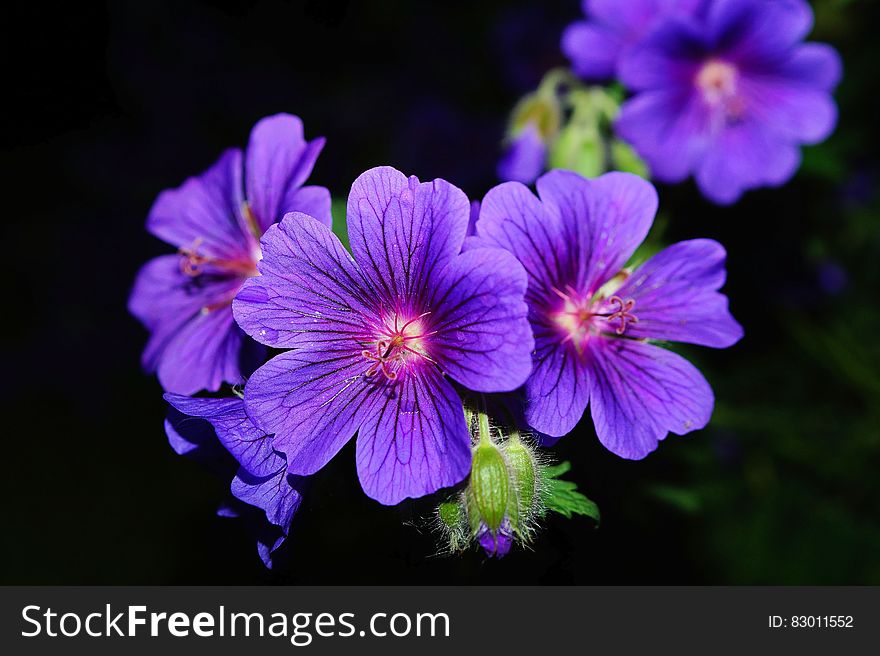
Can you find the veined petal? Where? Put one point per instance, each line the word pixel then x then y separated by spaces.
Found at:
pixel 205 211
pixel 415 441
pixel 483 339
pixel 310 292
pixel 402 231
pixel 249 445
pixel 313 402
pixel 512 218
pixel 202 354
pixel 676 296
pixel 640 392
pixel 558 390
pixel 279 160
pixel 274 494
pixel 610 216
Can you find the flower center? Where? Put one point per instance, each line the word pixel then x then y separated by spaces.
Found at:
pixel 581 316
pixel 718 82
pixel 193 263
pixel 395 344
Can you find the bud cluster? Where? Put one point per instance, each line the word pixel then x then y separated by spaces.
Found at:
pixel 502 500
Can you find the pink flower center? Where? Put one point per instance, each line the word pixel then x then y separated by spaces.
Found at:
pixel 396 343
pixel 718 82
pixel 581 316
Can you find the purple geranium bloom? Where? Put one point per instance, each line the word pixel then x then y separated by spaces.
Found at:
pixel 216 221
pixel 595 45
pixel 261 481
pixel 593 319
pixel 524 159
pixel 729 95
pixel 378 337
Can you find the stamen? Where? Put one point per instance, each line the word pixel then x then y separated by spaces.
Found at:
pixel 623 312
pixel 251 220
pixel 192 262
pixel 395 347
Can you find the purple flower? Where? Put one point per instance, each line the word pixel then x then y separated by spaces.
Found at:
pixel 216 220
pixel 593 319
pixel 524 159
pixel 378 337
pixel 729 95
pixel 595 45
pixel 261 481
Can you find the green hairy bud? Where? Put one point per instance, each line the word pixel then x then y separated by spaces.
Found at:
pixel 489 489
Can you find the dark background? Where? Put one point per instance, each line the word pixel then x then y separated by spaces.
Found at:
pixel 107 104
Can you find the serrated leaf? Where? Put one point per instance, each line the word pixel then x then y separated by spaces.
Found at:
pixel 562 497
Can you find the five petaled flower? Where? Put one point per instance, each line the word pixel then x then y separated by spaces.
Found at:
pixel 378 338
pixel 729 94
pixel 216 221
pixel 593 319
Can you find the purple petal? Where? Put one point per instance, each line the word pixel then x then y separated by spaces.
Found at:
pixel 593 50
pixel 610 215
pixel 669 57
pixel 310 291
pixel 756 30
pixel 677 299
pixel 313 200
pixel 793 108
pixel 668 129
pixel 313 402
pixel 558 390
pixel 512 218
pixel 401 231
pixel 416 441
pixel 815 65
pixel 173 306
pixel 249 445
pixel 480 316
pixel 472 219
pixel 525 157
pixel 279 160
pixel 742 157
pixel 194 438
pixel 274 494
pixel 640 392
pixel 203 354
pixel 205 210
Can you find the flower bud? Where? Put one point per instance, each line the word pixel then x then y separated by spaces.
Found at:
pixel 489 489
pixel 521 462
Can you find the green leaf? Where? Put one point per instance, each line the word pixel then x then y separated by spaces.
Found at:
pixel 340 226
pixel 562 497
